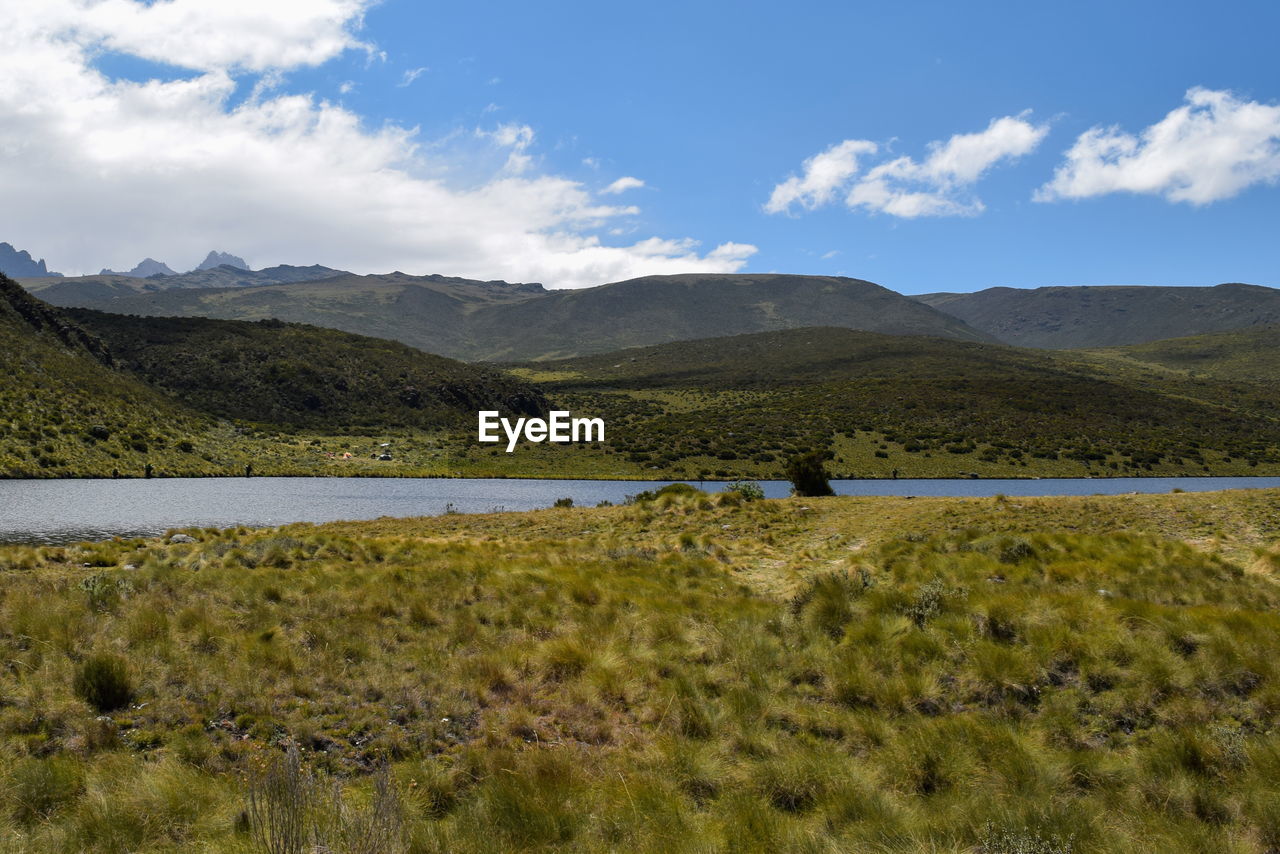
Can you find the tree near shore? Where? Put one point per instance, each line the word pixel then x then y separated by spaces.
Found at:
pixel 808 476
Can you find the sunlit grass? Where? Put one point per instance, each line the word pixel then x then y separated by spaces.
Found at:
pixel 688 674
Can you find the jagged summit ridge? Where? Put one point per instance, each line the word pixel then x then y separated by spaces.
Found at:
pixel 219 259
pixel 18 262
pixel 146 267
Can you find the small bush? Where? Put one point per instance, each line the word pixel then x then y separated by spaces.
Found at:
pixel 808 476
pixel 103 682
pixel 564 502
pixel 748 489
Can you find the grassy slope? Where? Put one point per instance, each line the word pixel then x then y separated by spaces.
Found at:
pixel 1250 356
pixel 290 374
pixel 985 675
pixel 923 406
pixel 55 389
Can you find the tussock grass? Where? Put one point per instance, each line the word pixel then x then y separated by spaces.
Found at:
pixel 682 674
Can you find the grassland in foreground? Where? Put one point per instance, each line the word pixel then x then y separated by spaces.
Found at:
pixel 689 674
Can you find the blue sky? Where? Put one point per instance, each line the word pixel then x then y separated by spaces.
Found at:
pixel 713 105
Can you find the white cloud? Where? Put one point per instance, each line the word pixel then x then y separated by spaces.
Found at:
pixel 941 185
pixel 1211 148
pixel 411 75
pixel 516 137
pixel 821 176
pixel 208 35
pixel 622 185
pixel 99 172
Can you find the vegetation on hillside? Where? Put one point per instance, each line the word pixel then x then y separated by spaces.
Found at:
pixel 1249 356
pixel 303 376
pixel 879 404
pixel 89 394
pixel 690 673
pixel 63 406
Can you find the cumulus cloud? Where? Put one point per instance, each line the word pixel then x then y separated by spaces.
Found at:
pixel 209 35
pixel 622 185
pixel 820 176
pixel 98 172
pixel 1211 148
pixel 940 185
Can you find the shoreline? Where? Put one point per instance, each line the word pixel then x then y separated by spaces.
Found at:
pixel 369 476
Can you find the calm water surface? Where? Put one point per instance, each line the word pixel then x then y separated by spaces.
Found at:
pixel 60 511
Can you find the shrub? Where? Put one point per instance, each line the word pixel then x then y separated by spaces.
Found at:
pixel 563 502
pixel 808 476
pixel 103 682
pixel 748 489
pixel 673 489
pixel 282 801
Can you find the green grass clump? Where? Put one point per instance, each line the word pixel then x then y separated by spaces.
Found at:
pixel 103 682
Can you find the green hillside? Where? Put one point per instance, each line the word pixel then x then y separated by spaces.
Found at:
pixel 86 393
pixel 303 376
pixel 70 407
pixel 1250 356
pixel 920 406
pixel 64 409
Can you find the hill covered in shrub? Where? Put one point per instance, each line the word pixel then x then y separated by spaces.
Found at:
pixel 304 376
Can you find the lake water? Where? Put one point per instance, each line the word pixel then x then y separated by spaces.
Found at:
pixel 60 511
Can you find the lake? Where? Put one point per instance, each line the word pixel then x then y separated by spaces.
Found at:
pixel 61 511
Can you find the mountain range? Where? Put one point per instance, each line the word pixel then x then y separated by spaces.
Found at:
pixel 85 392
pixel 499 321
pixel 478 320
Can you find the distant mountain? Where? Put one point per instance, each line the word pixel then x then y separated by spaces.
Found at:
pixel 217 259
pixel 17 263
pixel 99 291
pixel 498 321
pixel 658 309
pixel 1108 316
pixel 146 267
